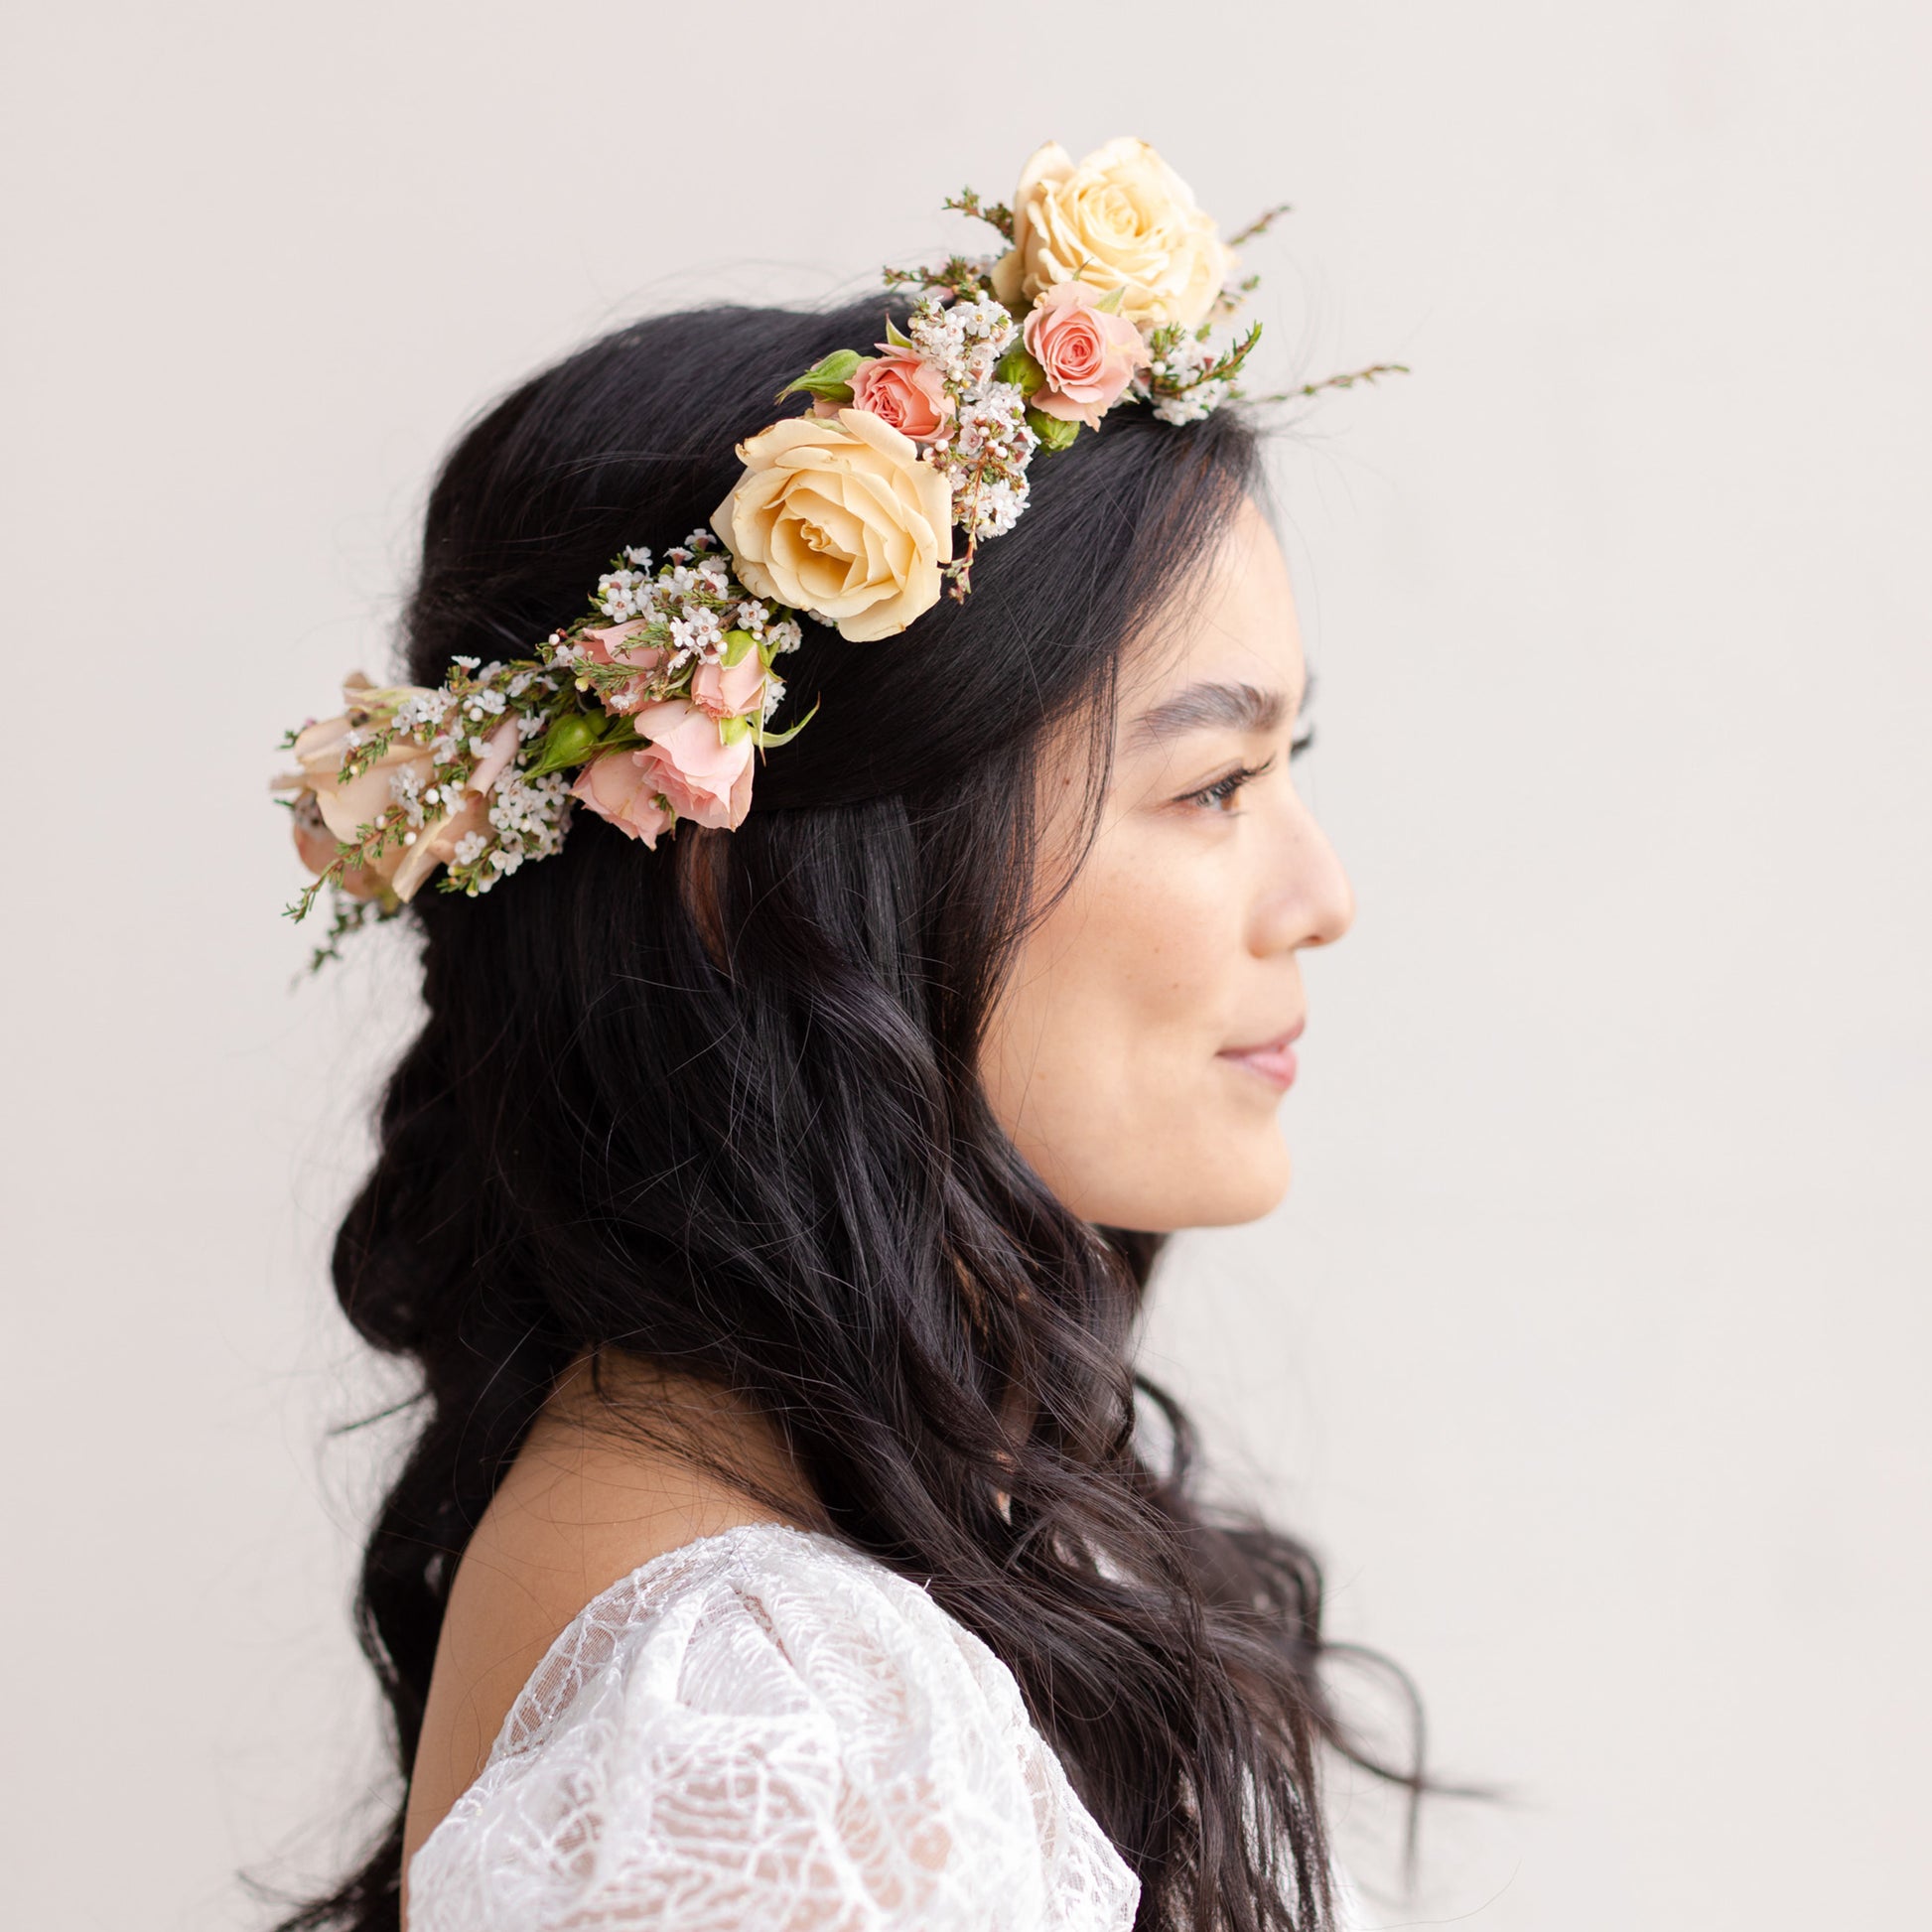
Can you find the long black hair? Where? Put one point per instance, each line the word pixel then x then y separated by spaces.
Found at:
pixel 717 1106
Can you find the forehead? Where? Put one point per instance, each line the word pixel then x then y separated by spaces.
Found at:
pixel 1235 625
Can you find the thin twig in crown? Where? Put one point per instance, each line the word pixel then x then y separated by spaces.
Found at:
pixel 962 574
pixel 1347 381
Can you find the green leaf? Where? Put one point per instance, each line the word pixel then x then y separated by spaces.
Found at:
pixel 1109 303
pixel 1053 432
pixel 897 338
pixel 830 379
pixel 737 644
pixel 769 741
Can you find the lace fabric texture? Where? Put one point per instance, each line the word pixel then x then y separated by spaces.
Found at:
pixel 770 1729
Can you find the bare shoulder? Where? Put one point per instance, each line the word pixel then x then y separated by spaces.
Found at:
pixel 586 1502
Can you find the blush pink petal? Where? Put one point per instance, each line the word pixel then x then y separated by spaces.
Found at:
pixel 616 644
pixel 610 644
pixel 902 389
pixel 498 748
pixel 616 789
pixel 730 690
pixel 688 761
pixel 315 844
pixel 436 845
pixel 1089 355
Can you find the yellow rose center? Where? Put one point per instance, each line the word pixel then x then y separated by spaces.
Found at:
pixel 817 538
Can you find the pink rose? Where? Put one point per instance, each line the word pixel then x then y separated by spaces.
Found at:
pixel 611 643
pixel 690 761
pixel 614 645
pixel 615 788
pixel 730 690
pixel 1089 355
pixel 902 389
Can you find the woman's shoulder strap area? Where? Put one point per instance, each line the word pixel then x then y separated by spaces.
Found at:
pixel 763 1729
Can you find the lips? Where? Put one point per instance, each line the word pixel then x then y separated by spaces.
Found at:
pixel 1271 1060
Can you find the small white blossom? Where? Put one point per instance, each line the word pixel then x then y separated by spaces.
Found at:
pixel 470 848
pixel 623 594
pixel 700 633
pixel 529 816
pixel 406 789
pixel 999 504
pixel 1193 404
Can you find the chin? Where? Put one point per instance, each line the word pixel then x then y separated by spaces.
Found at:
pixel 1213 1186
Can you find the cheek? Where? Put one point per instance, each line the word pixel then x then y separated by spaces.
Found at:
pixel 1101 1062
pixel 1129 970
pixel 1157 951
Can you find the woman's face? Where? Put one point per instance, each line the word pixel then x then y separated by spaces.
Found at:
pixel 1143 1046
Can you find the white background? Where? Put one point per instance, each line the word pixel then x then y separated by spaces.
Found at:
pixel 1591 1345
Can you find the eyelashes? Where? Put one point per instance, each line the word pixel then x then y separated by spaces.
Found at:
pixel 1219 795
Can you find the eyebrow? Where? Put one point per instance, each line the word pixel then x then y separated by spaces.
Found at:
pixel 1217 707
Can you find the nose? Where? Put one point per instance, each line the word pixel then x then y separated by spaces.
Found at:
pixel 1307 899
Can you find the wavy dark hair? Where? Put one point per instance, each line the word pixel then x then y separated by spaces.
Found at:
pixel 717 1106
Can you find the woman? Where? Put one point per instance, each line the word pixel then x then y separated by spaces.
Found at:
pixel 769 1212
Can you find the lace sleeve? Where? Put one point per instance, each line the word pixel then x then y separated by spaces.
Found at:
pixel 768 1730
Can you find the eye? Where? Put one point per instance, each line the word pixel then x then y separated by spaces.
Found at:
pixel 1221 794
pixel 1302 738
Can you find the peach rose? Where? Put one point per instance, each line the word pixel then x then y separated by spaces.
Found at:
pixel 706 776
pixel 900 388
pixel 1120 218
pixel 840 517
pixel 328 812
pixel 1088 353
pixel 616 787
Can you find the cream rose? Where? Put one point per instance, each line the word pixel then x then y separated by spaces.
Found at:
pixel 1120 218
pixel 839 516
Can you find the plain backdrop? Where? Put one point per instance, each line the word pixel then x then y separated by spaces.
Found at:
pixel 1591 1345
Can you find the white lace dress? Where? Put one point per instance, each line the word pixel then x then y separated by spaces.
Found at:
pixel 769 1729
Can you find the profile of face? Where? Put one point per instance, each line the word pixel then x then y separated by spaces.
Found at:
pixel 1142 1044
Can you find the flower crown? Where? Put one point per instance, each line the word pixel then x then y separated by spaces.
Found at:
pixel 858 513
